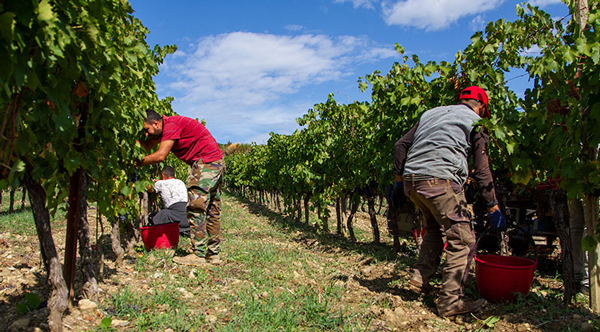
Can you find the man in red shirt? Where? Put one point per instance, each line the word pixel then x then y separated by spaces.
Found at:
pixel 191 142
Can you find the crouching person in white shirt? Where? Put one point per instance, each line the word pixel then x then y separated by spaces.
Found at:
pixel 174 195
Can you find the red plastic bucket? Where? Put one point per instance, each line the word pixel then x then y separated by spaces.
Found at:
pixel 160 236
pixel 503 278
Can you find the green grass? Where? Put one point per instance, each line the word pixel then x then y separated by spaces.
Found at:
pixel 158 309
pixel 306 309
pixel 18 222
pixel 269 283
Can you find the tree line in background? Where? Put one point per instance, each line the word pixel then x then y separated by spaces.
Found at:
pixel 548 135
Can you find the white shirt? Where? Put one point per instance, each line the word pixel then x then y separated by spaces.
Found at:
pixel 172 191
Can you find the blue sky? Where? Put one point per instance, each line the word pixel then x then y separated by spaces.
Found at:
pixel 252 67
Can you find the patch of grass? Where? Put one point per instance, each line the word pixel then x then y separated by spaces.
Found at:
pixel 269 283
pixel 153 261
pixel 158 309
pixel 127 303
pixel 18 222
pixel 545 302
pixel 307 309
pixel 18 202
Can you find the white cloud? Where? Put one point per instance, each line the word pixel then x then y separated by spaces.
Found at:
pixel 478 23
pixel 433 14
pixel 255 67
pixel 544 3
pixel 294 27
pixel 359 3
pixel 239 81
pixel 534 50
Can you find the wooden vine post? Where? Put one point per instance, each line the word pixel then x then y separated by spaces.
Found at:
pixel 73 215
pixel 590 201
pixel 75 195
pixel 590 204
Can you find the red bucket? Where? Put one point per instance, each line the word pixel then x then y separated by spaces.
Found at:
pixel 503 278
pixel 160 236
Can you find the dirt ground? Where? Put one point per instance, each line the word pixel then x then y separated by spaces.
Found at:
pixel 21 271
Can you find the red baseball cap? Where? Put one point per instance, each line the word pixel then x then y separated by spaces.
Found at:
pixel 477 93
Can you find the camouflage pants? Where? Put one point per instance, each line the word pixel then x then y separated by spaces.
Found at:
pixel 204 206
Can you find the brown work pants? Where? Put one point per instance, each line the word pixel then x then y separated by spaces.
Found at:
pixel 447 219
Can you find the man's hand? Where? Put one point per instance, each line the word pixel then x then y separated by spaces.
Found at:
pixel 497 221
pixel 398 197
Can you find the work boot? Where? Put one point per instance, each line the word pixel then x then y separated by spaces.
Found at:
pixel 464 307
pixel 419 287
pixel 190 259
pixel 214 259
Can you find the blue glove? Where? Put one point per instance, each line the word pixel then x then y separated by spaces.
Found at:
pixel 497 221
pixel 398 197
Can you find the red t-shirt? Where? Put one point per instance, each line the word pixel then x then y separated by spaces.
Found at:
pixel 192 140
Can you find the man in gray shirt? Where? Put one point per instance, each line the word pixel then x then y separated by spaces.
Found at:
pixel 431 168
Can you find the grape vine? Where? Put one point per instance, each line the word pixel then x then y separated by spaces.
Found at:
pixel 341 147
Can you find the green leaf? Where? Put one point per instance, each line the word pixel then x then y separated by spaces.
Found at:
pixel 595 111
pixel 491 321
pixel 522 177
pixel 570 55
pixel 140 186
pixel 22 308
pixel 399 49
pixel 45 12
pixel 72 161
pixel 7 25
pixel 510 147
pixel 489 48
pixel 92 31
pixel 595 50
pixel 16 170
pixel 520 11
pixel 18 167
pixel 363 86
pixel 499 133
pixel 105 323
pixel 126 191
pixel 33 300
pixel 581 46
pixel 589 243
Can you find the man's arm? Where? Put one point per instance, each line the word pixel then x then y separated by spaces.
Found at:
pixel 159 156
pixel 401 150
pixel 482 173
pixel 150 143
